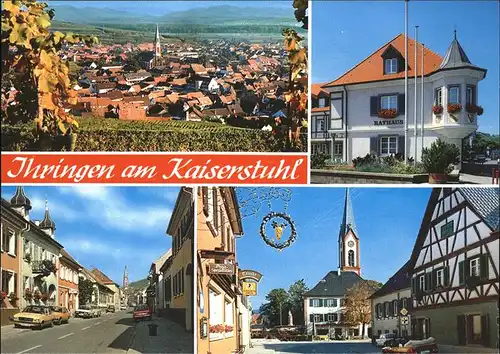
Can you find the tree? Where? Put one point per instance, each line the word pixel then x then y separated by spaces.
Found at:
pixel 358 308
pixel 277 306
pixel 33 68
pixel 85 291
pixel 296 294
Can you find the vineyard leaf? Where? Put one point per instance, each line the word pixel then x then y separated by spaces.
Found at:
pixel 46 59
pixel 43 20
pixel 57 37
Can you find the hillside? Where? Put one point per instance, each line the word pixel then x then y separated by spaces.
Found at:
pixel 139 284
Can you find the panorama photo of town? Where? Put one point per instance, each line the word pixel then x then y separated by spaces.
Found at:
pixel 170 76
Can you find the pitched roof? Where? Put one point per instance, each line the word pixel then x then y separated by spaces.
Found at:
pixel 371 68
pixel 163 258
pixel 485 202
pixel 400 280
pixel 65 254
pixel 455 57
pixel 334 284
pixel 316 89
pixel 100 276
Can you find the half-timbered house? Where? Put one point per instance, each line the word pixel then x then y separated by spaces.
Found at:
pixel 454 268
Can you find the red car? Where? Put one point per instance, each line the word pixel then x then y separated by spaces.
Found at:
pixel 142 311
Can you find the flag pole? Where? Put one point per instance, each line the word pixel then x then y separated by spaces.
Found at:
pixel 415 109
pixel 422 101
pixel 406 82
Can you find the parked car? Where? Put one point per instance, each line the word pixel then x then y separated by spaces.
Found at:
pixel 60 314
pixel 384 339
pixel 141 312
pixel 480 158
pixel 84 311
pixel 97 311
pixel 33 316
pixel 424 346
pixel 110 308
pixel 123 307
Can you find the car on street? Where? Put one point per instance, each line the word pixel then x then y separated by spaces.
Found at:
pixel 384 339
pixel 60 314
pixel 110 308
pixel 141 312
pixel 123 307
pixel 85 311
pixel 97 311
pixel 33 316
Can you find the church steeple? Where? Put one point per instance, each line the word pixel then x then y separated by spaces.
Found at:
pixel 47 224
pixel 125 278
pixel 157 42
pixel 348 239
pixel 21 203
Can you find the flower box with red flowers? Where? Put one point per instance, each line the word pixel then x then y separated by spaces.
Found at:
pixel 454 107
pixel 474 109
pixel 4 295
pixel 217 328
pixel 438 109
pixel 229 329
pixel 388 113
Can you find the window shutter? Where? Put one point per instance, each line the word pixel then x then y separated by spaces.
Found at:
pixel 434 280
pixel 446 276
pixel 428 281
pixel 214 208
pixel 483 266
pixel 485 331
pixel 15 284
pixel 401 103
pixel 384 314
pixel 401 144
pixel 461 272
pixel 311 303
pixel 414 285
pixel 467 269
pixel 374 146
pixel 374 103
pixel 311 318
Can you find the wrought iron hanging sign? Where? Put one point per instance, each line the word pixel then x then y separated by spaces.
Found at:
pixel 283 228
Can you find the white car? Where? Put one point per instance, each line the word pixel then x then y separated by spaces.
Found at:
pixel 384 337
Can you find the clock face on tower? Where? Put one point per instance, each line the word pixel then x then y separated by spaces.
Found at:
pixel 350 243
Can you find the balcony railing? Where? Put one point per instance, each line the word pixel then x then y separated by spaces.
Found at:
pixel 320 135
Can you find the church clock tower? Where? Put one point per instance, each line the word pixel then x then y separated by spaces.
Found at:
pixel 157 43
pixel 348 240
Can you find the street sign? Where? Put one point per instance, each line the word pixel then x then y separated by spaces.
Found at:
pixel 249 288
pixel 221 268
pixel 403 311
pixel 249 274
pixel 404 320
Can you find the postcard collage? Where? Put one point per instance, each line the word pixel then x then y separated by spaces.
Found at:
pixel 250 177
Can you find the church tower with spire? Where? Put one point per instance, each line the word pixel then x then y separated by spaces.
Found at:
pixel 157 43
pixel 125 278
pixel 21 203
pixel 348 240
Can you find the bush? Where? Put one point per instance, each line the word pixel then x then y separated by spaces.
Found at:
pixel 115 135
pixel 440 157
pixel 369 159
pixel 319 160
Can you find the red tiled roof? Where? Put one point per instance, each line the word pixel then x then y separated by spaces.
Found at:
pixel 316 89
pixel 101 276
pixel 371 69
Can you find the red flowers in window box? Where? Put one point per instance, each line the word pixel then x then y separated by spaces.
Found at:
pixel 387 113
pixel 229 329
pixel 220 328
pixel 4 295
pixel 472 108
pixel 454 107
pixel 438 109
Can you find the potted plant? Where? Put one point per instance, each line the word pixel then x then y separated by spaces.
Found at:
pixel 437 109
pixel 28 294
pixel 387 113
pixel 37 295
pixel 48 266
pixel 473 111
pixel 27 258
pixel 13 298
pixel 438 160
pixel 44 297
pixel 228 329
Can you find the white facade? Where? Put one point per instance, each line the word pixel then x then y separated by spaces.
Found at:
pixel 386 313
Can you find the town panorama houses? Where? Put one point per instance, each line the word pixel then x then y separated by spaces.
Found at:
pixel 363 111
pixel 454 268
pixel 32 260
pixel 324 304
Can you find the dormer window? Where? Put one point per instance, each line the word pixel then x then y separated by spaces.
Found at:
pixel 321 102
pixel 391 66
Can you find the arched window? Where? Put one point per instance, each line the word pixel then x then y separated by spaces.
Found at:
pixel 350 258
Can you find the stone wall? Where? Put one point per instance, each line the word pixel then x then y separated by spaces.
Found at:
pixel 356 177
pixel 5 313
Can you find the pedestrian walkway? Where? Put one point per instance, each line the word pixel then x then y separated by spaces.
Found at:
pixel 472 179
pixel 170 338
pixel 461 349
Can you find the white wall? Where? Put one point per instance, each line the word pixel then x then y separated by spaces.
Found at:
pixel 390 323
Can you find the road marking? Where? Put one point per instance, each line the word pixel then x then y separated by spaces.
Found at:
pixel 66 335
pixel 84 328
pixel 95 324
pixel 27 350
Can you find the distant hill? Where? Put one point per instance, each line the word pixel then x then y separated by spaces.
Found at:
pixel 213 15
pixel 139 284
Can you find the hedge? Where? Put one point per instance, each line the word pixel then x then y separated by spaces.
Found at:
pixel 136 138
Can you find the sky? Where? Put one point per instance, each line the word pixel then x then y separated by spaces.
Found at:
pixel 107 227
pixel 360 27
pixel 160 8
pixel 387 220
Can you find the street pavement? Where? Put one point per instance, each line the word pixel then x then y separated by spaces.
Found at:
pixel 110 333
pixel 277 347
